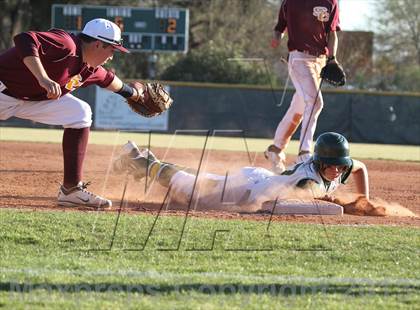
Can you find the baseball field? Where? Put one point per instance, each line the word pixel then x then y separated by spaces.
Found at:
pixel 144 253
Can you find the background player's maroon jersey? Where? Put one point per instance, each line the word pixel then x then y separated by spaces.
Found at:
pixel 308 23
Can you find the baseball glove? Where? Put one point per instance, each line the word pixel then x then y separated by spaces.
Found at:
pixel 154 101
pixel 334 74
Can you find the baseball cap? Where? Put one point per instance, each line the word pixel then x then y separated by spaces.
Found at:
pixel 106 31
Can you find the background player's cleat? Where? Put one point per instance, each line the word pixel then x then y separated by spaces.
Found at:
pixel 303 156
pixel 276 157
pixel 78 196
pixel 124 160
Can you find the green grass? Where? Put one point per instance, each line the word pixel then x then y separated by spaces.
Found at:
pixel 357 150
pixel 62 260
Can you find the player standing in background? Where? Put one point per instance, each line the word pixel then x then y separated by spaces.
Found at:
pixel 36 78
pixel 312 41
pixel 318 176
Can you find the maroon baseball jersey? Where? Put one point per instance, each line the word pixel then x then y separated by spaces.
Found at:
pixel 308 23
pixel 61 55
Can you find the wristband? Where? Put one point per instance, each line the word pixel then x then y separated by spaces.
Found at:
pixel 126 91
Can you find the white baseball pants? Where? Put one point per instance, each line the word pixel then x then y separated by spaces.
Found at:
pixel 304 71
pixel 68 111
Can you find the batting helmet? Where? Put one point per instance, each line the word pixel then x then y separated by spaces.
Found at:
pixel 332 149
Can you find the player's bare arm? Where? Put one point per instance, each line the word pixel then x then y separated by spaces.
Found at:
pixel 275 40
pixel 125 90
pixel 115 85
pixel 361 179
pixel 35 66
pixel 332 45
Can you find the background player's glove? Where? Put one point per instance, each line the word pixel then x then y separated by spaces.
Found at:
pixel 154 101
pixel 334 74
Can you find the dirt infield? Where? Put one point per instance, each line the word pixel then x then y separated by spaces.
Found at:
pixel 31 172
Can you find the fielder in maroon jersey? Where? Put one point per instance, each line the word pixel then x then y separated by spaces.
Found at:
pixel 311 27
pixel 37 77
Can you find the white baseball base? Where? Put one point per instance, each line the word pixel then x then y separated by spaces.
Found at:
pixel 302 207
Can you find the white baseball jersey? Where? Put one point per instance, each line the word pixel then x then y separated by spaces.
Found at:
pixel 250 185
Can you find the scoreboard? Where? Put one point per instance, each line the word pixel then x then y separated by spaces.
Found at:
pixel 142 29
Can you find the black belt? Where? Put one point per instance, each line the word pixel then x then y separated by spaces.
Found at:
pixel 309 53
pixel 6 92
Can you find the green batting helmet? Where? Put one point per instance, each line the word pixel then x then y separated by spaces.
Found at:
pixel 332 149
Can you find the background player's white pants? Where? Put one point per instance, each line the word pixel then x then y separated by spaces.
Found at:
pixel 216 191
pixel 68 111
pixel 304 71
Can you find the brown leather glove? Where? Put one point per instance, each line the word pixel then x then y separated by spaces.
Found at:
pixel 152 99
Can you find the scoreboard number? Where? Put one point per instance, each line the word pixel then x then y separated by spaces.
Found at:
pixel 142 29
